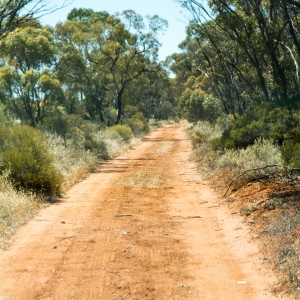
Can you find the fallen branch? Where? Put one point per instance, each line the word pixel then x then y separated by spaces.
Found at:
pixel 246 172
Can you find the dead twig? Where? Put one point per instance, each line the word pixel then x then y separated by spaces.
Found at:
pixel 246 172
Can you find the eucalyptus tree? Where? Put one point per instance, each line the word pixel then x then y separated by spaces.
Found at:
pixel 103 55
pixel 83 80
pixel 28 85
pixel 251 47
pixel 126 51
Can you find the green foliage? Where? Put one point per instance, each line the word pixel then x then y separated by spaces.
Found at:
pixel 261 154
pixel 167 110
pixel 197 106
pixel 124 131
pixel 137 122
pixel 274 121
pixel 137 126
pixel 291 153
pixel 25 153
pixel 204 132
pixel 28 87
pixel 5 117
pixel 96 146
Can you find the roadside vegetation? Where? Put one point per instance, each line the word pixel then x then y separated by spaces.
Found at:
pixel 263 187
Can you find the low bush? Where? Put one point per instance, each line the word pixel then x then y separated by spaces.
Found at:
pixel 124 131
pixel 264 152
pixel 71 159
pixel 25 153
pixel 115 145
pixel 270 121
pixel 204 132
pixel 259 155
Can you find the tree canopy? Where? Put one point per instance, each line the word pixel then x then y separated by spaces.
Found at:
pixel 94 65
pixel 243 52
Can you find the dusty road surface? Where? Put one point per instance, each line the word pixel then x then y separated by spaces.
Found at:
pixel 146 226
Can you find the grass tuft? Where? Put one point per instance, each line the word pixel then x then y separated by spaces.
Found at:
pixel 16 208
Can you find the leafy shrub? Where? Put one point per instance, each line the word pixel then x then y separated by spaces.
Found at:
pixel 5 118
pixel 138 124
pixel 197 106
pixel 261 154
pixel 204 132
pixel 270 121
pixel 96 146
pixel 291 153
pixel 25 153
pixel 77 133
pixel 124 131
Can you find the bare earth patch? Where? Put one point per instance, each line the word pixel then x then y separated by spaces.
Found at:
pixel 271 208
pixel 145 226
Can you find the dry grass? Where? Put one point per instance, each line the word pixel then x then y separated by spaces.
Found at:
pixel 281 233
pixel 142 179
pixel 16 208
pixel 114 143
pixel 163 147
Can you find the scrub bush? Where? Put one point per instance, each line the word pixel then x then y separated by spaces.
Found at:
pixel 124 131
pixel 24 152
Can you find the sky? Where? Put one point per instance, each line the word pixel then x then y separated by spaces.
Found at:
pixel 169 10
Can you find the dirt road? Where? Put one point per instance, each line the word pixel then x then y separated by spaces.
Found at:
pixel 146 226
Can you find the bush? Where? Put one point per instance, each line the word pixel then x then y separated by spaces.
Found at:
pixel 291 154
pixel 196 105
pixel 25 153
pixel 114 143
pixel 124 131
pixel 73 163
pixel 95 145
pixel 261 154
pixel 77 133
pixel 5 118
pixel 204 132
pixel 270 121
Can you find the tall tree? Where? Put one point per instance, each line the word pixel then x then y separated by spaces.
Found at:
pixel 247 51
pixel 103 55
pixel 29 87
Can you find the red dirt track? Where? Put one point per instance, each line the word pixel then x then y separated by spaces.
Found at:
pixel 145 226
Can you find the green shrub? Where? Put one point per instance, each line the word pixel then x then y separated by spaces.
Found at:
pixel 25 153
pixel 78 133
pixel 124 131
pixel 137 126
pixel 261 154
pixel 291 153
pixel 196 106
pixel 270 121
pixel 204 132
pixel 6 118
